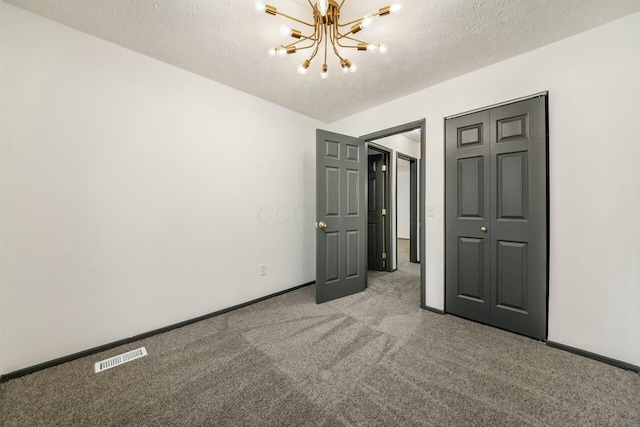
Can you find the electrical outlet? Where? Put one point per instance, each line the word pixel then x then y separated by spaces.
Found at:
pixel 263 269
pixel 431 210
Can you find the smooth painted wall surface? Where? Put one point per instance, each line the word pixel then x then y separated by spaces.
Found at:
pixel 136 195
pixel 593 84
pixel 3 136
pixel 403 199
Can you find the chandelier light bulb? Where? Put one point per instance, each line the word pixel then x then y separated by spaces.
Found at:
pixel 345 69
pixel 324 73
pixel 281 51
pixel 304 67
pixel 366 21
pixel 383 49
pixel 323 6
pixel 272 52
pixel 260 6
pixel 396 7
pixel 353 68
pixel 372 47
pixel 285 30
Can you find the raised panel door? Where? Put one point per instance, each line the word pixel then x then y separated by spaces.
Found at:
pixel 467 250
pixel 341 215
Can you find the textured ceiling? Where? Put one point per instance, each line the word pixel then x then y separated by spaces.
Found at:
pixel 430 41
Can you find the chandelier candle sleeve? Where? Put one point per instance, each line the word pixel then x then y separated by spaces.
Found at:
pixel 326 32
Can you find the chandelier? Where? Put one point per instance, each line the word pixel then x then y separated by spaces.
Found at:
pixel 327 33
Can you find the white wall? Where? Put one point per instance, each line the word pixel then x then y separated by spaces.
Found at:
pixel 593 84
pixel 137 195
pixel 3 136
pixel 403 199
pixel 400 144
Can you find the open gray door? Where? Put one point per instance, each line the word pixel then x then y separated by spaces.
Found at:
pixel 375 219
pixel 496 217
pixel 341 252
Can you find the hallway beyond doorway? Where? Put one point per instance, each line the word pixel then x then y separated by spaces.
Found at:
pixel 403 283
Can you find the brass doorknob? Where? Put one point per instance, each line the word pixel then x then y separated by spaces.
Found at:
pixel 483 229
pixel 322 224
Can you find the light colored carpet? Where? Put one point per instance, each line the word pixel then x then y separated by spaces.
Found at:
pixel 371 359
pixel 403 283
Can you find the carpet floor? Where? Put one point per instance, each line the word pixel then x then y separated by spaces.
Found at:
pixel 371 359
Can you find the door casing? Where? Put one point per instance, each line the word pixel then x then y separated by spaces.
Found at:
pixel 418 124
pixel 413 205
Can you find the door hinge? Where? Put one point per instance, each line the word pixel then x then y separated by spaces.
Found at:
pixel 384 255
pixel 384 168
pixel 384 212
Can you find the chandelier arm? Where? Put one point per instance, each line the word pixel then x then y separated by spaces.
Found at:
pixel 335 49
pixel 325 44
pixel 312 37
pixel 320 34
pixel 293 44
pixel 303 47
pixel 336 41
pixel 318 41
pixel 355 40
pixel 319 30
pixel 342 36
pixel 341 3
pixel 347 37
pixel 295 19
pixel 355 21
pixel 306 47
pixel 309 38
pixel 315 52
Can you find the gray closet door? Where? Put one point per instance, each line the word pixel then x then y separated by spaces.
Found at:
pixel 341 173
pixel 468 254
pixel 496 204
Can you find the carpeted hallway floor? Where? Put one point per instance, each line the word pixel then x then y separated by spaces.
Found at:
pixel 371 359
pixel 404 283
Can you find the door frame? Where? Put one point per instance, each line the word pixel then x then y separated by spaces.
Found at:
pixel 386 155
pixel 422 125
pixel 413 204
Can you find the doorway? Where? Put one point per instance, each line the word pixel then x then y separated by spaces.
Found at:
pixel 341 210
pixel 404 276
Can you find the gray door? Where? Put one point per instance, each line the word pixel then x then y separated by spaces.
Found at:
pixel 342 219
pixel 496 217
pixel 413 210
pixel 375 204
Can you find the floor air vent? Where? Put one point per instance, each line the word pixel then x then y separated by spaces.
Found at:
pixel 120 359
